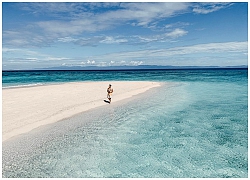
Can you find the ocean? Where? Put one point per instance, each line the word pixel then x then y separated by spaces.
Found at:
pixel 194 126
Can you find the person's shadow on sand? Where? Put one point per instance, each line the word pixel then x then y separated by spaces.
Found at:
pixel 106 101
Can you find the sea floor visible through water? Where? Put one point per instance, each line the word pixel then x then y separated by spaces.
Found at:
pixel 190 128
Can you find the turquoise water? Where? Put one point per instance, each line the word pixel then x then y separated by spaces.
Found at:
pixel 195 125
pixel 33 78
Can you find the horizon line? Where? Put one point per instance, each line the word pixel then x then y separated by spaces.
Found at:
pixel 118 68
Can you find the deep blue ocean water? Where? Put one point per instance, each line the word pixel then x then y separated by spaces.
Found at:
pixel 197 126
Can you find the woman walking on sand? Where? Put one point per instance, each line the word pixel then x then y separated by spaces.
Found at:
pixel 110 91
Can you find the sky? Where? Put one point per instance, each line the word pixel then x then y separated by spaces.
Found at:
pixel 43 35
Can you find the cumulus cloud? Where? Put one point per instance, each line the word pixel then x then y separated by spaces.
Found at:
pixel 102 63
pixel 136 63
pixel 90 62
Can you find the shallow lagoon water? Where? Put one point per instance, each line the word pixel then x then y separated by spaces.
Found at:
pixel 196 126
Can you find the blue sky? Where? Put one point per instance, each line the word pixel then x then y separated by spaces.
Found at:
pixel 41 35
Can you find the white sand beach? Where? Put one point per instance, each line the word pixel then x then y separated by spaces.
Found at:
pixel 24 109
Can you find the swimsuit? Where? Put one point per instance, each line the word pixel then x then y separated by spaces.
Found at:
pixel 109 92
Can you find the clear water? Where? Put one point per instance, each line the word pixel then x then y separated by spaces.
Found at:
pixel 195 127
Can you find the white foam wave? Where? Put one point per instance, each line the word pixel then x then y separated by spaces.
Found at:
pixel 22 85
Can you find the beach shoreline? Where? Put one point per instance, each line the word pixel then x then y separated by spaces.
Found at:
pixel 27 108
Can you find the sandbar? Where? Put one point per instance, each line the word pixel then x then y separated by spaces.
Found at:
pixel 27 108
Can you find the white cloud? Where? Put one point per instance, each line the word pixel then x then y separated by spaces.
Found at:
pixel 26 38
pixel 67 39
pixel 112 40
pixel 102 63
pixel 211 47
pixel 149 55
pixel 229 53
pixel 205 8
pixel 4 50
pixel 25 55
pixel 62 28
pixel 141 13
pixel 32 59
pixel 54 9
pixel 82 24
pixel 96 40
pixel 90 62
pixel 136 63
pixel 144 13
pixel 23 52
pixel 55 58
pixel 176 33
pixel 73 19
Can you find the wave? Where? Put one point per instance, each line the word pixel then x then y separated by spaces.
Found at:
pixel 21 85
